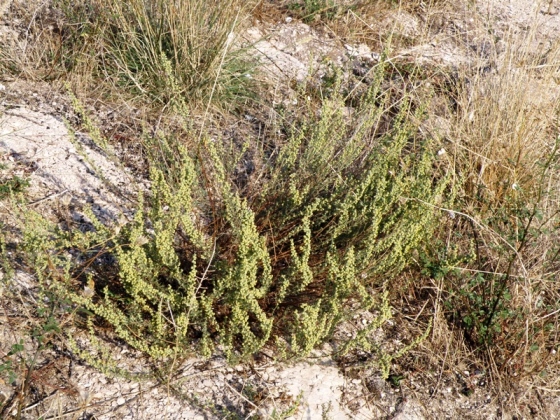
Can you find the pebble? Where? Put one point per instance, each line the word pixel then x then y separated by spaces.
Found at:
pixel 121 401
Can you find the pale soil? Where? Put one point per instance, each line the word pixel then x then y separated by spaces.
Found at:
pixel 35 143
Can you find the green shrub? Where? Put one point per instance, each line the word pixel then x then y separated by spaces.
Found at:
pixel 286 256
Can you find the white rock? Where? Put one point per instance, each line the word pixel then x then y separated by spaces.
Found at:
pixel 46 140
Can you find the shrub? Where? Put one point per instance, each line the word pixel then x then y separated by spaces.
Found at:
pixel 284 256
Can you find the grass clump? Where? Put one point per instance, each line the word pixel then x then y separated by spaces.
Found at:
pixel 195 37
pixel 150 51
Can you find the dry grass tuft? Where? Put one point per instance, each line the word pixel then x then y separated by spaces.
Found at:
pixel 496 262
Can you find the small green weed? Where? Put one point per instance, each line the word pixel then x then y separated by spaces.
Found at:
pixel 7 367
pixel 311 10
pixel 12 185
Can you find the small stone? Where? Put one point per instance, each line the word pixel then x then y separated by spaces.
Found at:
pixel 356 381
pixel 288 19
pixel 363 50
pixel 120 401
